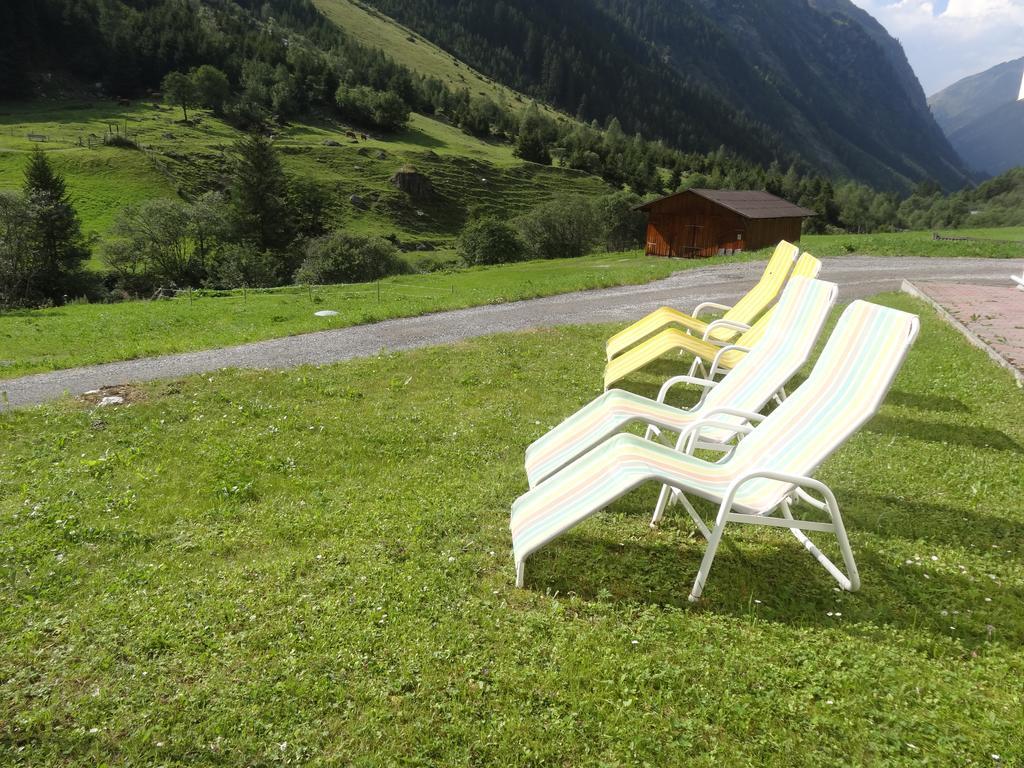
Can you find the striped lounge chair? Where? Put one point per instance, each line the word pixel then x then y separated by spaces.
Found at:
pixel 789 336
pixel 744 313
pixel 720 355
pixel 765 474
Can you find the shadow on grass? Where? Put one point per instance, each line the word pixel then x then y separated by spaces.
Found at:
pixel 419 139
pixel 925 402
pixel 938 432
pixel 658 568
pixel 793 589
pixel 940 524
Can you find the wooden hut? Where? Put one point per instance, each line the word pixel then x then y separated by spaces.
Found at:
pixel 703 222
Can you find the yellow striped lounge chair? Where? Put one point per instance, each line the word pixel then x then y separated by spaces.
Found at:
pixel 789 336
pixel 704 350
pixel 767 472
pixel 744 312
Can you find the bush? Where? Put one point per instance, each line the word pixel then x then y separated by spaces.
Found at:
pixel 343 258
pixel 122 142
pixel 490 240
pixel 624 227
pixel 381 109
pixel 243 266
pixel 565 227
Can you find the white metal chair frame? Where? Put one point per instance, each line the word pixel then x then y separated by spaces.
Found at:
pixel 689 441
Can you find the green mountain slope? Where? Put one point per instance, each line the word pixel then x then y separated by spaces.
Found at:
pixel 983 117
pixel 965 100
pixel 993 142
pixel 466 173
pixel 822 79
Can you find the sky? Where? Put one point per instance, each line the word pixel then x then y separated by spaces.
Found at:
pixel 946 40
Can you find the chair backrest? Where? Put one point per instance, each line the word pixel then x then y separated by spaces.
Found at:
pixel 806 266
pixel 764 293
pixel 810 267
pixel 845 389
pixel 789 336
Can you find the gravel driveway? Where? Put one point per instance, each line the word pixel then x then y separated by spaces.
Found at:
pixel 858 276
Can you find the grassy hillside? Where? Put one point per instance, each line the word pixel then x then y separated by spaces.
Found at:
pixel 374 29
pixel 466 172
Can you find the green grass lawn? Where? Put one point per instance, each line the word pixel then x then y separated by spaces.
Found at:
pixel 313 566
pixel 920 244
pixel 83 334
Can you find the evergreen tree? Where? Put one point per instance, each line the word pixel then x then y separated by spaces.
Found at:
pixel 258 191
pixel 55 235
pixel 530 143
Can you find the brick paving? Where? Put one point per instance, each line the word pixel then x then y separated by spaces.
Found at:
pixel 992 314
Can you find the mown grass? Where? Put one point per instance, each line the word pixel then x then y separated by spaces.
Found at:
pixel 921 244
pixel 313 566
pixel 83 334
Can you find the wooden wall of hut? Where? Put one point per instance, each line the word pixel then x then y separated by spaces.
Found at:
pixel 689 226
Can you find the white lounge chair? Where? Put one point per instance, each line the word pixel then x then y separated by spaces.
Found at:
pixel 763 475
pixel 789 336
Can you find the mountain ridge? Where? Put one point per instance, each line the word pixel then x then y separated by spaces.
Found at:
pixel 984 118
pixel 820 78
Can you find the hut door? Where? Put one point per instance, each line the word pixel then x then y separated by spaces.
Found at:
pixel 691 241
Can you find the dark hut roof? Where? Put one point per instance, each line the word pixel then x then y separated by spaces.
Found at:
pixel 747 203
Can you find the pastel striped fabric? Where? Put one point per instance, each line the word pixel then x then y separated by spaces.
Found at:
pixel 673 339
pixel 846 387
pixel 789 335
pixel 745 311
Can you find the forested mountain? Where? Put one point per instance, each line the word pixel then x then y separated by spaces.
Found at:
pixel 983 117
pixel 816 77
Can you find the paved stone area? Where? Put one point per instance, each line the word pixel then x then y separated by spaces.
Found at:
pixel 991 316
pixel 857 276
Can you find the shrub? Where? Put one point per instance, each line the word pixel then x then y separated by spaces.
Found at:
pixel 212 88
pixel 490 240
pixel 565 227
pixel 381 109
pixel 120 141
pixel 157 242
pixel 344 258
pixel 624 226
pixel 243 266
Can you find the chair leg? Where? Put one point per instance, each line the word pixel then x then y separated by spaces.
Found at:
pixel 850 580
pixel 659 508
pixel 520 573
pixel 709 556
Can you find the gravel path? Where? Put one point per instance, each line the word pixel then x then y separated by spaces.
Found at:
pixel 858 276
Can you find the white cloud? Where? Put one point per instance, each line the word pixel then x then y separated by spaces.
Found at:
pixel 948 40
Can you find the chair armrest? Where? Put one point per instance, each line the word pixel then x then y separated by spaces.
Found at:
pixel 723 323
pixel 797 481
pixel 693 431
pixel 706 383
pixel 709 305
pixel 750 416
pixel 718 355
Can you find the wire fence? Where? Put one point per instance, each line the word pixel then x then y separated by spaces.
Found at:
pixel 315 294
pixel 964 239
